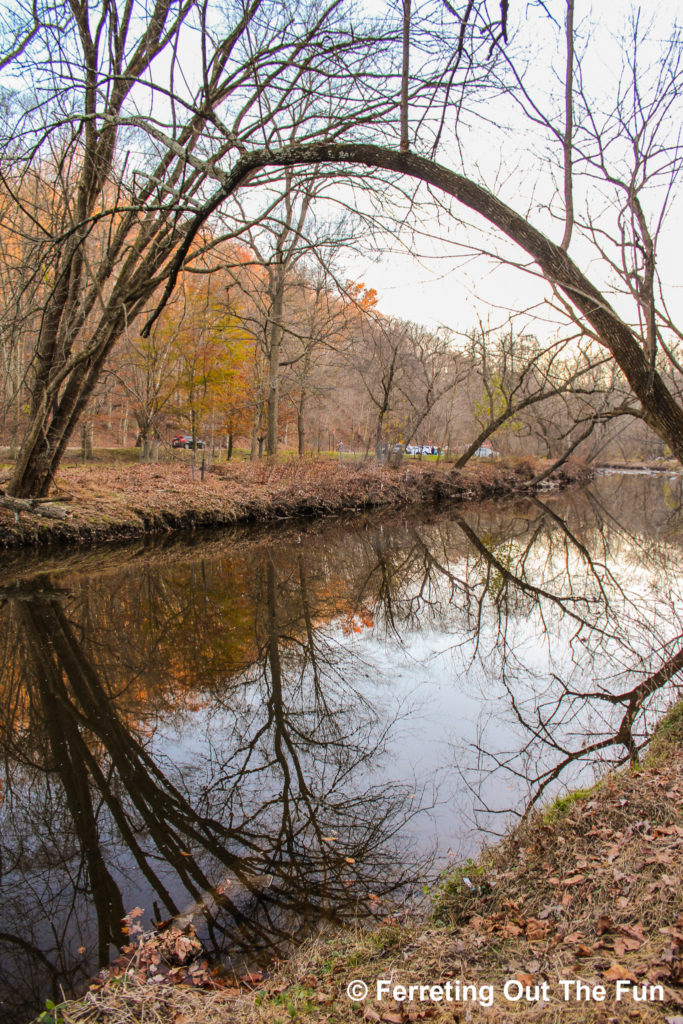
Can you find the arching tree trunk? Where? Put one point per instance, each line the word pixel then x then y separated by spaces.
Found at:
pixel 661 410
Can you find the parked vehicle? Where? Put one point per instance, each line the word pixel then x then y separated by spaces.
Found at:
pixel 485 451
pixel 186 441
pixel 421 449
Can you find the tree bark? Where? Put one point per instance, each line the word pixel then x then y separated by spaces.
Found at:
pixel 274 343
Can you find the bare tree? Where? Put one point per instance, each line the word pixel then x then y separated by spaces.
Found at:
pixel 127 143
pixel 646 105
pixel 513 375
pixel 286 246
pixel 241 118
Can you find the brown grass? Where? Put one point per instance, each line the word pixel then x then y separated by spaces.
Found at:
pixel 114 501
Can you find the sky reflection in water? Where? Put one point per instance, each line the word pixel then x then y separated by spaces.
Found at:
pixel 311 715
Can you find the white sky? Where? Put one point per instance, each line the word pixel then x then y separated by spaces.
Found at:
pixel 430 281
pixel 438 288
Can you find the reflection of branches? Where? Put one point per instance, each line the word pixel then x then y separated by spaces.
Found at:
pixel 268 804
pixel 598 570
pixel 632 703
pixel 565 604
pixel 634 699
pixel 238 658
pixel 544 717
pixel 321 843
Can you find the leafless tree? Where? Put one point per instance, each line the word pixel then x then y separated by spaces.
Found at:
pixel 147 175
pixel 606 164
pixel 126 143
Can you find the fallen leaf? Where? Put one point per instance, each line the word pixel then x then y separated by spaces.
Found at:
pixel 624 944
pixel 632 931
pixel 349 860
pixel 524 979
pixel 617 972
pixel 574 880
pixel 536 930
pixel 185 948
pixel 252 979
pixel 661 857
pixel 512 930
pixel 604 924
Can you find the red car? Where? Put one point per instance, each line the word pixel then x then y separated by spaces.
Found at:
pixel 186 441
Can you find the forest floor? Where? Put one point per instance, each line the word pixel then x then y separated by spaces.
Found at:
pixel 580 908
pixel 111 500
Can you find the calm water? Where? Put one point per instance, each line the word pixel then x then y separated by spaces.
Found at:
pixel 308 716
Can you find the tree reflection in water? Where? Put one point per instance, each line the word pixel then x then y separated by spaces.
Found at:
pixel 229 713
pixel 278 790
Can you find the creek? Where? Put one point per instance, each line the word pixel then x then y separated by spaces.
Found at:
pixel 280 730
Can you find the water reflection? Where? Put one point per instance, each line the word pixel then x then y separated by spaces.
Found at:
pixel 250 725
pixel 117 790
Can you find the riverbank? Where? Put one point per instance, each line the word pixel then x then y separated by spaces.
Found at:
pixel 114 502
pixel 581 905
pixel 661 466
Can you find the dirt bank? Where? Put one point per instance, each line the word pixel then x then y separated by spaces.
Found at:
pixel 115 502
pixel 581 905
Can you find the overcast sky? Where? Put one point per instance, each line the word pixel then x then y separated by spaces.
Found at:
pixel 444 286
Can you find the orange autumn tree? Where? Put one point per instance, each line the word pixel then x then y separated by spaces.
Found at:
pixel 211 354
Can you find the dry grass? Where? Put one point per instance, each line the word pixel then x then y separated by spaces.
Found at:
pixel 590 890
pixel 132 1002
pixel 114 501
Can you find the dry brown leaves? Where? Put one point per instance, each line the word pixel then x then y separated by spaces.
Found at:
pixel 111 501
pixel 596 894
